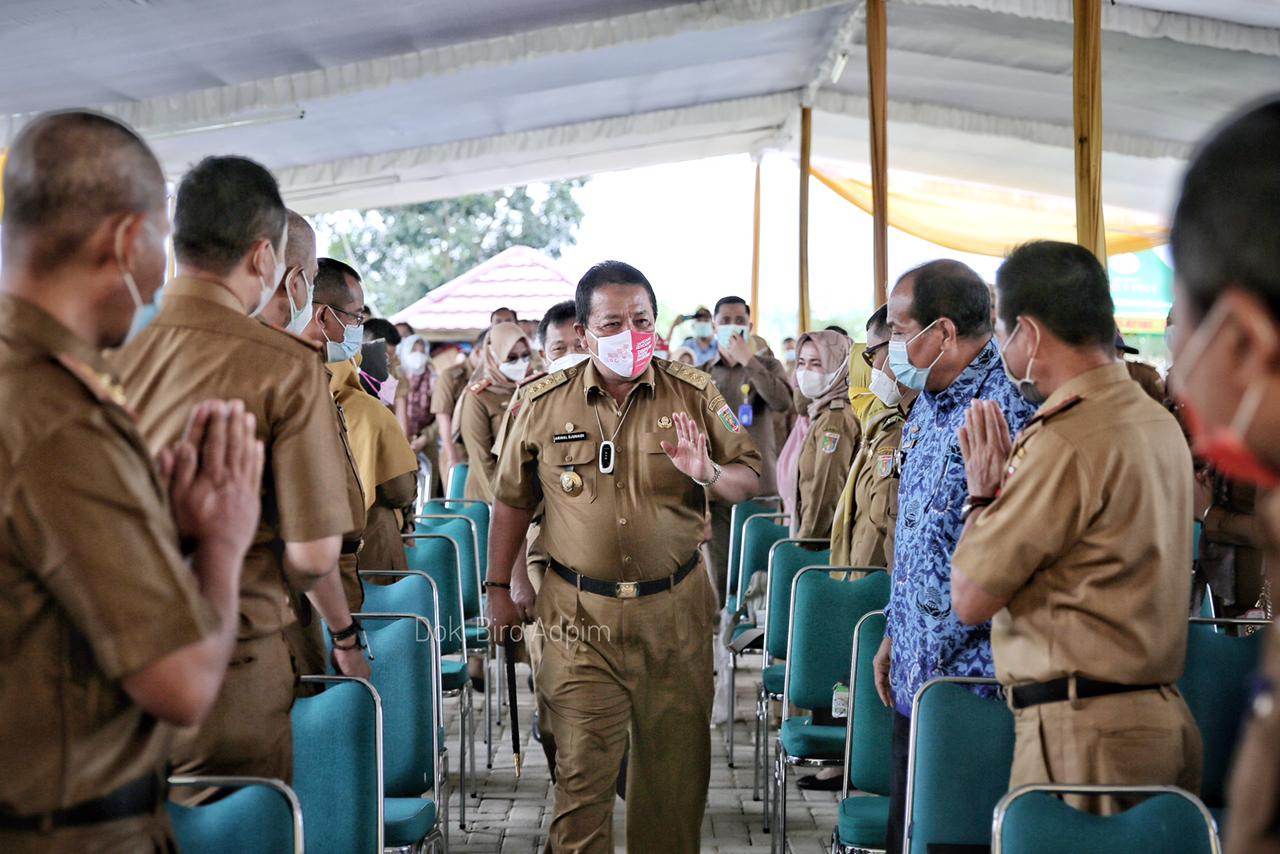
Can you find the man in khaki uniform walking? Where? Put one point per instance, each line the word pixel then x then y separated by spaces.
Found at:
pixel 229 237
pixel 623 451
pixel 1225 376
pixel 1077 542
pixel 111 637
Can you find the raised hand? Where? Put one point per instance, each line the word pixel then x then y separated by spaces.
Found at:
pixel 985 443
pixel 689 453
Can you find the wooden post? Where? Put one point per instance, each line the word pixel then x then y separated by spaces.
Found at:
pixel 877 63
pixel 806 145
pixel 1087 117
pixel 755 250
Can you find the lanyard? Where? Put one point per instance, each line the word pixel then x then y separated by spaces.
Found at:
pixel 608 451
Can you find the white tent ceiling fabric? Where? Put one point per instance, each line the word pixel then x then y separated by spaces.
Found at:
pixel 408 101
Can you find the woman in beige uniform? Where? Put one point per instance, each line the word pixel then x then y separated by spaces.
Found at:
pixel 506 362
pixel 827 436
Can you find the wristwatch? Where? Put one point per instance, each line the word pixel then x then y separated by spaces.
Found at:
pixel 716 471
pixel 973 502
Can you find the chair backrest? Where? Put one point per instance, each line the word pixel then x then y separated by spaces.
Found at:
pixel 405 675
pixel 869 729
pixel 263 817
pixel 465 531
pixel 1031 820
pixel 958 767
pixel 337 766
pixel 476 511
pixel 458 480
pixel 737 518
pixel 1215 684
pixel 412 592
pixel 436 555
pixel 823 614
pixel 759 533
pixel 786 559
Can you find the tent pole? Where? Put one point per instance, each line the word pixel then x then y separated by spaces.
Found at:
pixel 755 249
pixel 877 69
pixel 1087 117
pixel 806 145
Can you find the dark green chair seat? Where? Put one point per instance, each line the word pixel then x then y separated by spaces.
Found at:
pixel 862 821
pixel 407 820
pixel 453 675
pixel 477 635
pixel 802 737
pixel 1038 822
pixel 256 819
pixel 774 675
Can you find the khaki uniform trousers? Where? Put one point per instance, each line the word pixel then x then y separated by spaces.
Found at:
pixel 248 732
pixel 537 568
pixel 143 834
pixel 639 671
pixel 721 527
pixel 1139 738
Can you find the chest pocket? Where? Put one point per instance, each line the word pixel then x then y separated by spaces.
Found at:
pixel 656 471
pixel 571 471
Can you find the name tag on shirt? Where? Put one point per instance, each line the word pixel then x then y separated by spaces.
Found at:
pixel 568 437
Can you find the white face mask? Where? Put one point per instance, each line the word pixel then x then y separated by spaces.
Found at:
pixel 515 371
pixel 626 354
pixel 884 388
pixel 414 363
pixel 568 360
pixel 269 285
pixel 300 315
pixel 813 384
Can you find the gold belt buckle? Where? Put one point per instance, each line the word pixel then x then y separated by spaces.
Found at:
pixel 627 589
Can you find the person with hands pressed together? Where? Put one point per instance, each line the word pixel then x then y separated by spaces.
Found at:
pixel 1077 542
pixel 622 451
pixel 113 637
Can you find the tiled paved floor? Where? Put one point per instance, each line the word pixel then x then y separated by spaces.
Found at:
pixel 511 816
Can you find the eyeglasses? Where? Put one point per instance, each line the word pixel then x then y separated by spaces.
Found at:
pixel 869 354
pixel 358 317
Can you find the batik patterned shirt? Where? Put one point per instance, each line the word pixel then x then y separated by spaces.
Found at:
pixel 928 640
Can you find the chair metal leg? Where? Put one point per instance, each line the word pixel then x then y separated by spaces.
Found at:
pixel 733 703
pixel 768 771
pixel 780 827
pixel 490 688
pixel 464 704
pixel 471 711
pixel 757 762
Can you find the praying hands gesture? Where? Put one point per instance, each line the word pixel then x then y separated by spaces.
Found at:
pixel 985 443
pixel 689 453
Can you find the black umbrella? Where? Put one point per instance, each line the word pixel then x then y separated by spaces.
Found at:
pixel 509 645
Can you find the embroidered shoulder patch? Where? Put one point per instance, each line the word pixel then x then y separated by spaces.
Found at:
pixel 830 441
pixel 728 419
pixel 884 463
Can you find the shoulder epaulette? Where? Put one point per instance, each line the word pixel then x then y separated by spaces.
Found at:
pixel 541 386
pixel 305 342
pixel 694 377
pixel 1046 414
pixel 479 386
pixel 101 386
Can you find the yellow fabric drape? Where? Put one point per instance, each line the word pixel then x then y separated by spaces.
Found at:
pixel 990 220
pixel 861 400
pixel 378 445
pixel 1086 90
pixel 877 68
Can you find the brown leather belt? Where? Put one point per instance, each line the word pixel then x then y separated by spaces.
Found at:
pixel 139 797
pixel 1058 690
pixel 624 589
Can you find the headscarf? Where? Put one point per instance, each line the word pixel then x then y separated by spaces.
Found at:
pixel 501 341
pixel 833 351
pixel 378 445
pixel 865 404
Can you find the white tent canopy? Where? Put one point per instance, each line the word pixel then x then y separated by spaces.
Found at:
pixel 392 101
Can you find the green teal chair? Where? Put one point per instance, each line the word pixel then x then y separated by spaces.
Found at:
pixel 1215 683
pixel 262 817
pixel 759 532
pixel 820 624
pixel 737 519
pixel 458 480
pixel 437 556
pixel 337 766
pixel 406 677
pixel 1031 820
pixel 786 558
pixel 862 821
pixel 954 783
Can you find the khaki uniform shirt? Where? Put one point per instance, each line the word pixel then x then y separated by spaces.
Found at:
pixel 875 474
pixel 202 345
pixel 825 459
pixel 646 519
pixel 92 585
pixel 1090 538
pixel 1147 377
pixel 762 382
pixel 479 421
pixel 444 398
pixel 348 561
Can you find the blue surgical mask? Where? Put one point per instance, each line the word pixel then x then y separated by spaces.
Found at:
pixel 703 329
pixel 341 351
pixel 300 316
pixel 727 331
pixel 1030 392
pixel 900 363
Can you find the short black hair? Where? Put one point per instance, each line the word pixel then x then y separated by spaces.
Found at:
pixel 224 206
pixel 556 315
pixel 840 329
pixel 731 300
pixel 950 289
pixel 1226 228
pixel 788 339
pixel 331 281
pixel 609 273
pixel 503 308
pixel 379 328
pixel 878 322
pixel 1061 285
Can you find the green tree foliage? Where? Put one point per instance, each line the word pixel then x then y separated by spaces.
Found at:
pixel 404 252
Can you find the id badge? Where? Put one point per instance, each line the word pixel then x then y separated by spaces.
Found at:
pixel 746 414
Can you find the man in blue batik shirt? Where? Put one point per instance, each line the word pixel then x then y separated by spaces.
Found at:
pixel 940 342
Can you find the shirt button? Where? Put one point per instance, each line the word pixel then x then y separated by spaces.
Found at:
pixel 568 457
pixel 622 521
pixel 620 484
pixel 626 558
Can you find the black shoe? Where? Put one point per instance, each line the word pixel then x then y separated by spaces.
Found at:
pixel 535 730
pixel 814 783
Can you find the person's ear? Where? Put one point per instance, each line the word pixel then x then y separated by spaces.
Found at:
pixel 949 333
pixel 262 259
pixel 1251 340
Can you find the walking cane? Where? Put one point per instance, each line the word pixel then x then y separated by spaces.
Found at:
pixel 509 645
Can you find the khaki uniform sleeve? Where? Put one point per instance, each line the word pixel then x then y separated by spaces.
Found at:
pixel 308 462
pixel 770 381
pixel 476 429
pixel 85 512
pixel 444 396
pixel 728 440
pixel 515 478
pixel 400 491
pixel 835 442
pixel 1041 510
